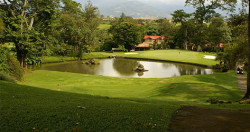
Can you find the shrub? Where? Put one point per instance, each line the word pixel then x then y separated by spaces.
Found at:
pixel 9 64
pixel 15 69
pixel 6 77
pixel 108 45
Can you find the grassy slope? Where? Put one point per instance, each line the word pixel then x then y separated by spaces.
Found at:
pixel 184 88
pixel 25 108
pixel 52 99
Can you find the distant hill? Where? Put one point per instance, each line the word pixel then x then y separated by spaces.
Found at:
pixel 135 8
pixel 142 8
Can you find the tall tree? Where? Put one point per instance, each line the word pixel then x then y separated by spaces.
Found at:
pixel 247 95
pixel 126 34
pixel 73 27
pixel 167 29
pixel 23 19
pixel 92 20
pixel 205 8
pixel 181 17
pixel 218 32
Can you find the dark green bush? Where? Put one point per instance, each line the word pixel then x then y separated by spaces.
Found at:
pixel 108 45
pixel 6 77
pixel 9 64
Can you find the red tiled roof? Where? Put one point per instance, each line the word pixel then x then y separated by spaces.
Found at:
pixel 142 45
pixel 153 37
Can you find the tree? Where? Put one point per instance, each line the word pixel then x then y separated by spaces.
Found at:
pixel 126 34
pixel 181 16
pixel 1 28
pixel 168 30
pixel 23 20
pixel 218 32
pixel 205 8
pixel 93 20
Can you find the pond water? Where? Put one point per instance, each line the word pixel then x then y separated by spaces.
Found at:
pixel 120 67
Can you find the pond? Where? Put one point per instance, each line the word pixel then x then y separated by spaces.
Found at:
pixel 121 67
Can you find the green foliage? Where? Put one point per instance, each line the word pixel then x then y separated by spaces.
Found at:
pixel 1 27
pixel 205 8
pixel 27 24
pixel 126 34
pixel 180 16
pixel 9 65
pixel 238 49
pixel 219 32
pixel 4 60
pixel 6 77
pixel 168 30
pixel 108 45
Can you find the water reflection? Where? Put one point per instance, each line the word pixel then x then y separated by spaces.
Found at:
pixel 123 68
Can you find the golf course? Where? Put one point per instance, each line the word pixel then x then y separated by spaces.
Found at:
pixel 48 100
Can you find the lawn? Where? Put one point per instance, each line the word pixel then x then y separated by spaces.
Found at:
pixel 184 88
pixel 63 101
pixel 104 26
pixel 25 108
pixel 165 55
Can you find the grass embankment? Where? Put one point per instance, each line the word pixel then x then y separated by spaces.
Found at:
pixel 184 88
pixel 25 108
pixel 50 101
pixel 165 55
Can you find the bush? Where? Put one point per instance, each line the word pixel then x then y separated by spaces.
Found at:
pixel 108 45
pixel 9 64
pixel 6 77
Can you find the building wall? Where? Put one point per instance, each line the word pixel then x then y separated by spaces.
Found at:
pixel 147 41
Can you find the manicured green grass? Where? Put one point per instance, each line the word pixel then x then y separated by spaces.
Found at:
pixel 50 59
pixel 58 101
pixel 169 55
pixel 184 88
pixel 104 26
pixel 165 55
pixel 25 108
pixel 62 101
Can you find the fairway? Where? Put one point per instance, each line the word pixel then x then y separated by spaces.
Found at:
pixel 184 88
pixel 63 101
pixel 165 55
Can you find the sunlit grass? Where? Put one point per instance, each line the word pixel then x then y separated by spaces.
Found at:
pixel 184 88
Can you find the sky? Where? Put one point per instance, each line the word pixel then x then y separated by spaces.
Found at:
pixel 166 5
pixel 169 2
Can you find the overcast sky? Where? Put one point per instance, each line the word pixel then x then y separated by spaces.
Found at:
pixel 168 2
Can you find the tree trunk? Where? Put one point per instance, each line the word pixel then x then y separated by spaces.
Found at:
pixel 248 68
pixel 186 48
pixel 21 54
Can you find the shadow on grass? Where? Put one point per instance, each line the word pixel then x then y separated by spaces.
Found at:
pixel 25 108
pixel 223 86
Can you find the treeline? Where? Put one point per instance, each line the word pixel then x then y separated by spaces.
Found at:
pixel 49 27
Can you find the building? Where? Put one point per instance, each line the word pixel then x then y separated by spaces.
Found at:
pixel 142 47
pixel 149 41
pixel 152 39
